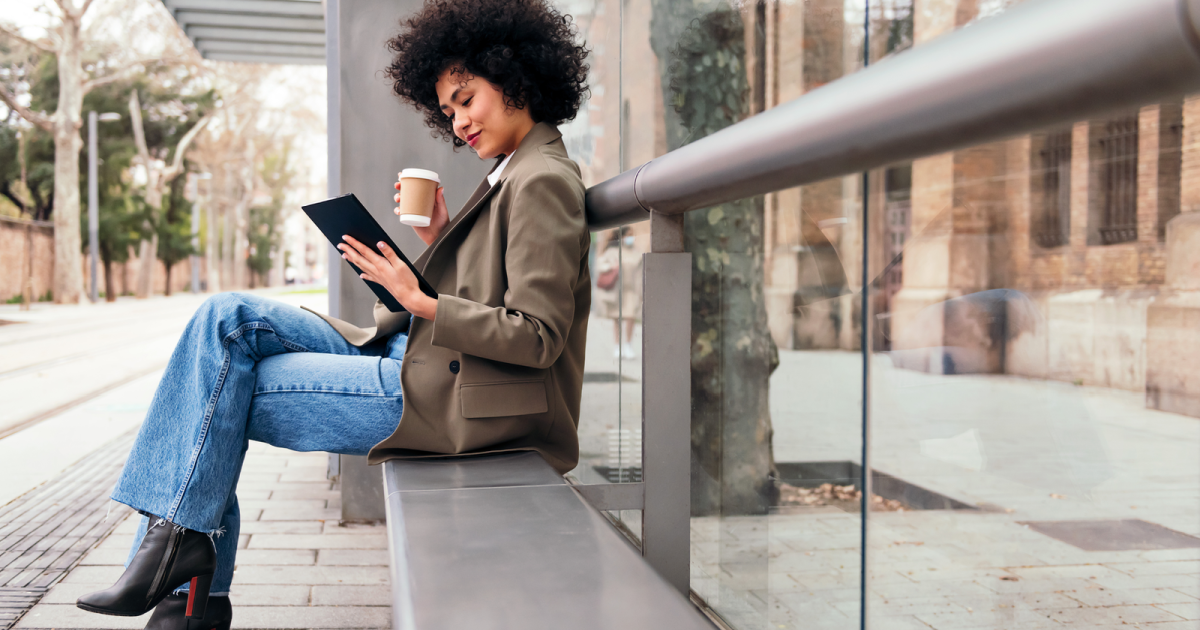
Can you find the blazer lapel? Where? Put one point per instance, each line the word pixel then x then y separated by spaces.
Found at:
pixel 477 201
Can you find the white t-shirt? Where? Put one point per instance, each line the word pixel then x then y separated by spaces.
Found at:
pixel 494 176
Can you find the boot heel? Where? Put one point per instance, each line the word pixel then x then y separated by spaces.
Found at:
pixel 197 601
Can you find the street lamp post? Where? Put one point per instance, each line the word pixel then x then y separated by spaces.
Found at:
pixel 94 200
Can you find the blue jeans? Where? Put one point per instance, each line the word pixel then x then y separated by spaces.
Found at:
pixel 249 368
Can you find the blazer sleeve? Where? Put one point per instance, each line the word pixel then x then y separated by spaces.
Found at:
pixel 542 258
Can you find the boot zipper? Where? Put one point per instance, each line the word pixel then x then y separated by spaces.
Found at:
pixel 167 560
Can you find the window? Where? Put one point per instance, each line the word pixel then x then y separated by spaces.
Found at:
pixel 1051 224
pixel 1118 154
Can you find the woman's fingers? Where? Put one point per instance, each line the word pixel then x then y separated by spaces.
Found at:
pixel 390 255
pixel 357 253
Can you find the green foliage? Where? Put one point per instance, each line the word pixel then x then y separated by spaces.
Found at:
pixel 174 227
pixel 38 199
pixel 266 222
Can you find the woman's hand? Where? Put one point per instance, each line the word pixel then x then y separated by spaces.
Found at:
pixel 437 222
pixel 391 272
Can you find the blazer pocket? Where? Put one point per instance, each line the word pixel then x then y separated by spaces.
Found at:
pixel 497 400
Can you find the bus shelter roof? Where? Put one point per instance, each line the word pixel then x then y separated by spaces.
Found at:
pixel 256 31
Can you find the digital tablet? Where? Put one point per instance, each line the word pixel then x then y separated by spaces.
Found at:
pixel 346 215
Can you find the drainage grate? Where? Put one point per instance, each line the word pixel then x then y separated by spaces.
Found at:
pixel 607 377
pixel 45 532
pixel 1117 535
pixel 847 473
pixel 612 474
pixel 15 601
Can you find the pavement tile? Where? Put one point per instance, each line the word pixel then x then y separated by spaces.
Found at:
pixel 1192 590
pixel 246 557
pixel 105 557
pixel 270 595
pixel 320 541
pixel 332 527
pixel 1188 610
pixel 117 541
pixel 306 474
pixel 354 557
pixel 1146 581
pixel 1085 571
pixel 306 491
pixel 301 514
pixel 95 574
pixel 314 505
pixel 68 592
pixel 310 575
pixel 1111 615
pixel 1129 597
pixel 1005 618
pixel 281 527
pixel 1176 567
pixel 62 616
pixel 253 617
pixel 328 595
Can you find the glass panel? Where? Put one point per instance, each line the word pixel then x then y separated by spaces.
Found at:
pixel 776 376
pixel 610 414
pixel 1035 442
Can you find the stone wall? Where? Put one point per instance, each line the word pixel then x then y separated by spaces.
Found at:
pixel 14 256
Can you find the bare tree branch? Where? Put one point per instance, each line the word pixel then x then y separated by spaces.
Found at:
pixel 13 33
pixel 87 4
pixel 92 84
pixel 42 121
pixel 139 134
pixel 177 164
pixel 131 68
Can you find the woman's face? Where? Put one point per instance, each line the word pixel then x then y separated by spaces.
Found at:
pixel 479 115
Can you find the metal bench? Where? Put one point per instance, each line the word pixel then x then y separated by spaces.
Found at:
pixel 502 541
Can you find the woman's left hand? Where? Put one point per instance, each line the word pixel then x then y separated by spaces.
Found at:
pixel 390 272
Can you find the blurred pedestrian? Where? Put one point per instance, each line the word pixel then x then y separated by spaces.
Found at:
pixel 619 288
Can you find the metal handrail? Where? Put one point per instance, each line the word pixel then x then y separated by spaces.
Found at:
pixel 1043 63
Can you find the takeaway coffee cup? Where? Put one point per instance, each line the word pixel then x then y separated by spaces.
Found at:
pixel 418 188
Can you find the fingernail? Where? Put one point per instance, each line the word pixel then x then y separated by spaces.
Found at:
pixel 381 244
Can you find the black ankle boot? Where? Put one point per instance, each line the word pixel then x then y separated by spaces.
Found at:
pixel 171 614
pixel 168 556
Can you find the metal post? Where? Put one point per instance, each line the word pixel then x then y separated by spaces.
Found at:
pixel 93 208
pixel 667 402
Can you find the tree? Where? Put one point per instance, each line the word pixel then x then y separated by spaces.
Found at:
pixel 266 234
pixel 81 66
pixel 26 168
pixel 160 175
pixel 702 49
pixel 174 229
pixel 66 44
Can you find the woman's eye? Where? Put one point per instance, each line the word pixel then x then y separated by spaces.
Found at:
pixel 467 102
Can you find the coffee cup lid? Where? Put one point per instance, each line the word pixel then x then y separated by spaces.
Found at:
pixel 420 173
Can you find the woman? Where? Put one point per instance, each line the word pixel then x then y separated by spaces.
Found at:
pixel 503 341
pixel 619 288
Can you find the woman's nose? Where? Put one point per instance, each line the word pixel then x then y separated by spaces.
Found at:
pixel 461 125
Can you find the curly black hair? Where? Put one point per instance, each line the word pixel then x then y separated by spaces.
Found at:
pixel 526 48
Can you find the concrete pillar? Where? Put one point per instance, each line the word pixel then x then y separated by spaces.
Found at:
pixel 372 136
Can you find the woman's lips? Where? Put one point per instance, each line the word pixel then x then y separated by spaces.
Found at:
pixel 471 138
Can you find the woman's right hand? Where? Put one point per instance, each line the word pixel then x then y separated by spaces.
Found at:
pixel 437 222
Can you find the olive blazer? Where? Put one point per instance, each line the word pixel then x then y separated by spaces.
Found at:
pixel 501 366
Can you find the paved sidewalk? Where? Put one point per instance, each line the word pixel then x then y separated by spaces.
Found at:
pixel 297 567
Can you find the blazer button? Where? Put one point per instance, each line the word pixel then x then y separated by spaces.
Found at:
pixel 454 367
